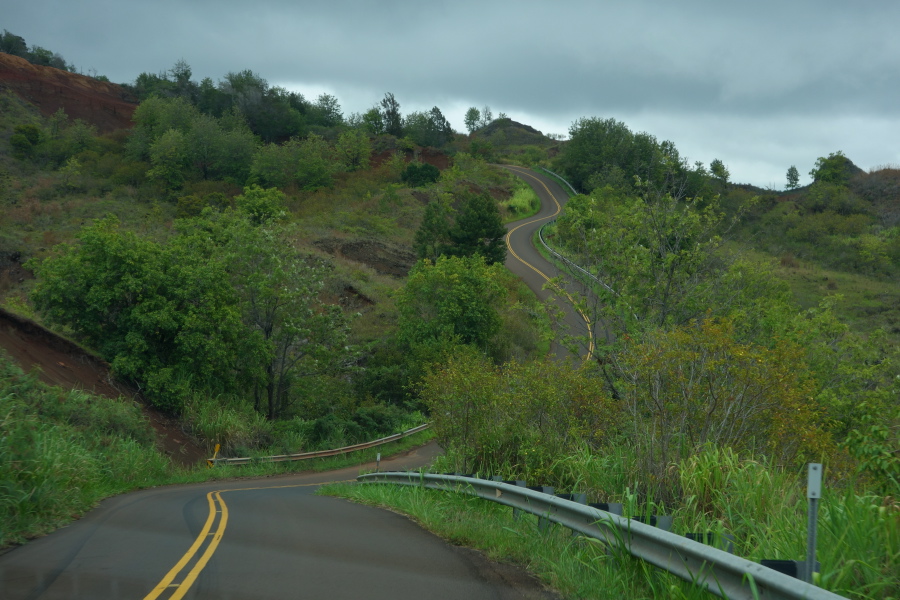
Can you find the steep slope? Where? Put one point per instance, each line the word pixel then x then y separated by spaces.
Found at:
pixel 106 105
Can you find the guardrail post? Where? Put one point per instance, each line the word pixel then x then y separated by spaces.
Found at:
pixel 543 523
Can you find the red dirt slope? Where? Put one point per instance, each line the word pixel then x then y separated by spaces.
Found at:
pixel 106 105
pixel 63 363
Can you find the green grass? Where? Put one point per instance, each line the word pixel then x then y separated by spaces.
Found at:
pixel 575 566
pixel 761 505
pixel 523 203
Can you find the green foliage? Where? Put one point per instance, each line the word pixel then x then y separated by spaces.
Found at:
pixel 419 174
pixel 696 385
pixel 428 128
pixel 163 315
pixel 793 178
pixel 315 165
pixel 262 206
pixel 472 119
pixel 476 230
pixel 836 169
pixel 353 150
pixel 390 113
pixel 62 451
pixel 521 415
pixel 454 300
pixel 479 230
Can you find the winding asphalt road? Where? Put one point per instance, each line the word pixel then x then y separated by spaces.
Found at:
pixel 524 260
pixel 272 537
pixel 253 539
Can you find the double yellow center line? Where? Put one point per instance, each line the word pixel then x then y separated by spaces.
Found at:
pixel 587 321
pixel 207 540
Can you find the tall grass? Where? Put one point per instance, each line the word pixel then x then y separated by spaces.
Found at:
pixel 762 505
pixel 62 451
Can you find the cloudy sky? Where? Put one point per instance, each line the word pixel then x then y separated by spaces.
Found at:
pixel 761 85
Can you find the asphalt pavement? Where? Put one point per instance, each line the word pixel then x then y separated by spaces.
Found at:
pixel 524 259
pixel 254 539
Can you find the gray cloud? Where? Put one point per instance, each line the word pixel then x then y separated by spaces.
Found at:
pixel 714 77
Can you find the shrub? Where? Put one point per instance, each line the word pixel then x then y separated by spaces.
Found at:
pixel 420 174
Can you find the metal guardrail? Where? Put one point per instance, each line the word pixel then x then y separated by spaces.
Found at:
pixel 319 453
pixel 565 260
pixel 561 178
pixel 715 570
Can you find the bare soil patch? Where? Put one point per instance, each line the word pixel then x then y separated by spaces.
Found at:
pixel 385 259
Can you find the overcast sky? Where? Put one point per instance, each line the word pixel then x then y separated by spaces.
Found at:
pixel 761 85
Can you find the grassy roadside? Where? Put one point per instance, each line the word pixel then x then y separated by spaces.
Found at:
pixel 63 451
pixel 762 505
pixel 575 566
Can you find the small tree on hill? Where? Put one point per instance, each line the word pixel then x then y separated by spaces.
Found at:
pixel 472 119
pixel 793 178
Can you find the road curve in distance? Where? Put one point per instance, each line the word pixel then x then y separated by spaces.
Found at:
pixel 523 259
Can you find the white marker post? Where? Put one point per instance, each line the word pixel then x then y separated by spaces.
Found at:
pixel 813 493
pixel 378 462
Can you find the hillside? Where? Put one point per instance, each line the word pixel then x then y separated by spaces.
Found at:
pixel 105 105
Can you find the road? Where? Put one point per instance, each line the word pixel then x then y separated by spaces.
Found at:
pixel 524 260
pixel 253 539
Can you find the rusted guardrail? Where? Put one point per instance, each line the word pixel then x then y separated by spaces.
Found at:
pixel 317 454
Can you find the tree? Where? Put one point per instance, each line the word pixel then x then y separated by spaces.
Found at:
pixel 696 385
pixel 327 111
pixel 718 170
pixel 433 235
pixel 261 206
pixel 390 111
pixel 373 121
pixel 479 230
pixel 836 169
pixel 419 174
pixel 353 149
pixel 315 164
pixel 162 315
pixel 452 301
pixel 487 117
pixel 472 119
pixel 793 178
pixel 294 334
pixel 169 157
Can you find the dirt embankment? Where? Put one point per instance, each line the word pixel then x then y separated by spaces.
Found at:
pixel 61 362
pixel 106 105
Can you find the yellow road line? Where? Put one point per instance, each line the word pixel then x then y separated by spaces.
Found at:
pixel 163 585
pixel 213 498
pixel 587 321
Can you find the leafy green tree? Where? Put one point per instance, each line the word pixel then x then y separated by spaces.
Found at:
pixel 390 111
pixel 487 117
pixel 295 335
pixel 836 169
pixel 315 163
pixel 433 235
pixel 793 178
pixel 169 158
pixel 11 43
pixel 326 111
pixel 353 149
pixel 479 230
pixel 472 119
pixel 452 301
pixel 165 316
pixel 373 121
pixel 261 206
pixel 720 172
